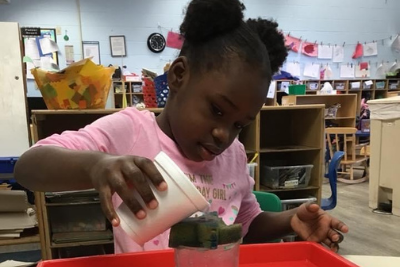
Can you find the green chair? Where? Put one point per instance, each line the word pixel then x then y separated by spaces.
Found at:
pixel 268 201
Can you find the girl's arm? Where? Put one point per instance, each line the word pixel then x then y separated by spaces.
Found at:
pixel 268 226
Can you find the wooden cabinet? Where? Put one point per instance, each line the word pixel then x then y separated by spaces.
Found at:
pixel 293 135
pixel 132 90
pixel 346 114
pixel 362 88
pixel 46 123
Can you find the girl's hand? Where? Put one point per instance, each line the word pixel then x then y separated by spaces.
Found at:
pixel 311 223
pixel 121 174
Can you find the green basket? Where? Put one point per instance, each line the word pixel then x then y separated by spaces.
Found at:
pixel 297 89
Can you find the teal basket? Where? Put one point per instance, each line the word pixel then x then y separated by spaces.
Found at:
pixel 297 89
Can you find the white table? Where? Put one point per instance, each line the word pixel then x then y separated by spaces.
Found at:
pixel 374 261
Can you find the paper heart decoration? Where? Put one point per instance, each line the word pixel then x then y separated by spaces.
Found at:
pixel 358 52
pixel 292 43
pixel 156 242
pixel 363 65
pixel 310 49
pixel 174 40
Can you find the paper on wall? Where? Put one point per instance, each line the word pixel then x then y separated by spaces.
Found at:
pixel 293 68
pixel 396 44
pixel 285 87
pixel 338 54
pixel 363 70
pixel 31 48
pixel 69 54
pixel 371 49
pixel 325 51
pixel 271 90
pixel 328 73
pixel 311 70
pixel 347 71
pixel 48 46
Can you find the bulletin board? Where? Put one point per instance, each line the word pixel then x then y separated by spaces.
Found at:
pixel 29 45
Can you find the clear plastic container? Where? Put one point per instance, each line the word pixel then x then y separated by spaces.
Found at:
pixel 76 218
pixel 223 256
pixel 252 169
pixel 286 176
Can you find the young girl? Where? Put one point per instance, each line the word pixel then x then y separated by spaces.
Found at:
pixel 217 86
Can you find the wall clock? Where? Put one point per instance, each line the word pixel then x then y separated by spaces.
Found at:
pixel 156 42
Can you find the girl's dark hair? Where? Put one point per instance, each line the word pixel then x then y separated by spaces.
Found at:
pixel 215 33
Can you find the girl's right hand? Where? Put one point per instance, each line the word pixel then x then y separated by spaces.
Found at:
pixel 122 174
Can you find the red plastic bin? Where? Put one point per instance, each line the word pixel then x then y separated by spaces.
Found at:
pixel 296 254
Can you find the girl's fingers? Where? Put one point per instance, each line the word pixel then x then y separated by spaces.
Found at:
pixel 105 195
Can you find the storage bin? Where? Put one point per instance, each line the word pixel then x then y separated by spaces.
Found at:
pixel 286 176
pixel 281 254
pixel 297 89
pixel 76 218
pixel 7 164
pixel 365 125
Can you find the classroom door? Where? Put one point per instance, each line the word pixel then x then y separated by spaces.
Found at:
pixel 14 133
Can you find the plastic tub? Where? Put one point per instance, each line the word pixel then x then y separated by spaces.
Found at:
pixel 297 89
pixel 76 218
pixel 296 254
pixel 286 176
pixel 181 200
pixel 7 164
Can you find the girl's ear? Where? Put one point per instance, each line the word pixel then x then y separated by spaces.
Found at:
pixel 178 74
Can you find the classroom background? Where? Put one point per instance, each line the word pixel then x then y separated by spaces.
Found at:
pixel 330 22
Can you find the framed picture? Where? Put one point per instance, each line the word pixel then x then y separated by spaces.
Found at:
pixel 91 49
pixel 117 45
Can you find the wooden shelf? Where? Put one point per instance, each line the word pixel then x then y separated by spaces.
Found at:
pixel 282 149
pixel 249 151
pixel 308 188
pixel 19 241
pixel 84 243
pixel 341 118
pixel 137 93
pixel 72 203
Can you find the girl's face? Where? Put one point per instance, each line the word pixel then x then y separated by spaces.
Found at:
pixel 206 112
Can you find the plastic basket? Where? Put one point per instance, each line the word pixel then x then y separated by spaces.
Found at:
pixel 297 89
pixel 149 93
pixel 286 176
pixel 162 90
pixel 296 254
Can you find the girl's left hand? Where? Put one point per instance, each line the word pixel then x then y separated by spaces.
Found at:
pixel 311 223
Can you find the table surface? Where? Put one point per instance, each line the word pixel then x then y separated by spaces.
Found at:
pixel 374 261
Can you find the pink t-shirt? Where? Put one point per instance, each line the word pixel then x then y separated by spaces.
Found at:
pixel 224 181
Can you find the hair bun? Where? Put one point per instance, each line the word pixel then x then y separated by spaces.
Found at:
pixel 206 19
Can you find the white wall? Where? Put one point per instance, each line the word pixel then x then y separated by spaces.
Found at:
pixel 328 21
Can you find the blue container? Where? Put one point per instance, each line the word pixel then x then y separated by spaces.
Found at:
pixel 162 89
pixel 7 164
